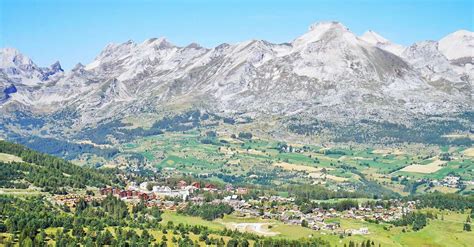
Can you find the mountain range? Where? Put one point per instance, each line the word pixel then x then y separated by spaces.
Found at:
pixel 327 74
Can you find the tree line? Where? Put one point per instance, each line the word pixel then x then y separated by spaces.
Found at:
pixel 207 211
pixel 49 172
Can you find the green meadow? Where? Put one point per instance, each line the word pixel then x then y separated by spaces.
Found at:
pixel 439 232
pixel 196 153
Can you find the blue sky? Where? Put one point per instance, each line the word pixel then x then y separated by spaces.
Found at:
pixel 73 31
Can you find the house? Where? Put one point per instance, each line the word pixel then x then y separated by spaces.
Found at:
pixel 199 199
pixel 132 186
pixel 361 231
pixel 196 185
pixel 123 194
pixel 210 187
pixel 315 227
pixel 181 184
pixel 332 226
pixel 105 191
pixel 161 189
pixel 229 187
pixel 144 185
pixel 242 191
pixel 143 196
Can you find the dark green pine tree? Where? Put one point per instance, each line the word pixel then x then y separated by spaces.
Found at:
pixel 467 227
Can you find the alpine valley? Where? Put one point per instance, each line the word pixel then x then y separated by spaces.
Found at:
pixel 331 139
pixel 328 85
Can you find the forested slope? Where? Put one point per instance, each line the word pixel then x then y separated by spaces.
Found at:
pixel 48 172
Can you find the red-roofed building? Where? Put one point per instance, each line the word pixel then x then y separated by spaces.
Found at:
pixel 210 187
pixel 106 191
pixel 196 185
pixel 143 196
pixel 123 193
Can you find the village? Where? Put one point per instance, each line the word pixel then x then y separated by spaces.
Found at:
pixel 283 209
pixel 449 181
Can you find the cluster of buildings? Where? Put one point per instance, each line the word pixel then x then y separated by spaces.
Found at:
pixel 71 200
pixel 268 207
pixel 380 213
pixel 448 181
pixel 142 192
pixel 164 196
pixel 128 194
pixel 286 211
pixel 155 194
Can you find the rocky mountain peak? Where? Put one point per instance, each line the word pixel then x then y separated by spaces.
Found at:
pixel 158 43
pixel 11 57
pixel 374 38
pixel 458 45
pixel 194 46
pixel 326 25
pixel 78 66
pixel 56 67
pixel 324 33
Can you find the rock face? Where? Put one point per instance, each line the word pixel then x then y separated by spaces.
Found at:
pixel 327 73
pixel 19 69
pixel 374 38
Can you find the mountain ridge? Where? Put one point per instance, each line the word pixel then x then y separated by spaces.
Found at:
pixel 328 73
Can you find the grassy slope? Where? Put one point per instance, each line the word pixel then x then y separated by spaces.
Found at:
pixel 9 158
pixel 177 218
pixel 439 233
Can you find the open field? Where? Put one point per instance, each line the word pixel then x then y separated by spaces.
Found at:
pixel 469 152
pixel 9 158
pixel 190 220
pixel 20 192
pixel 294 167
pixel 447 232
pixel 388 151
pixel 429 168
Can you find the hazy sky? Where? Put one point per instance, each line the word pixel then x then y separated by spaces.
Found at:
pixel 73 31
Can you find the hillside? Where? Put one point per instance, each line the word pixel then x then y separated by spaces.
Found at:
pixel 25 168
